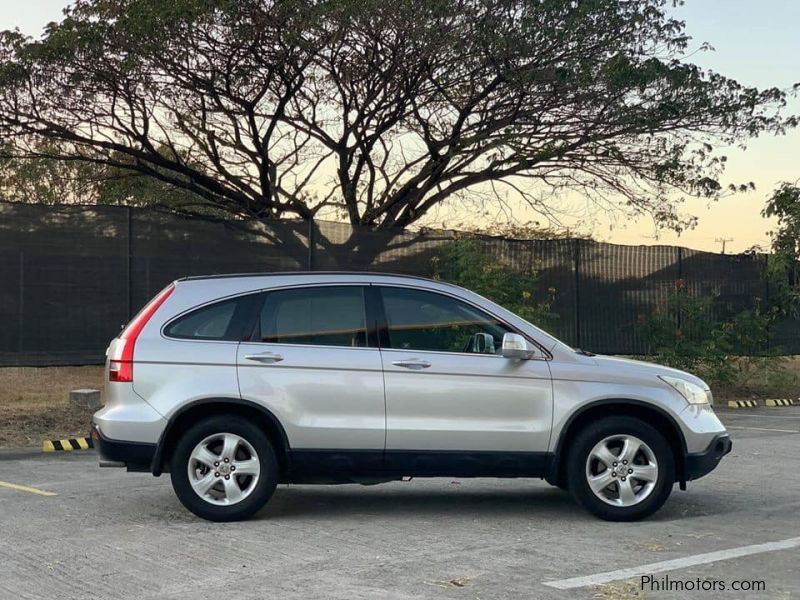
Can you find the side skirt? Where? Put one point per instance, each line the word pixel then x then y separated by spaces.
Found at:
pixel 348 465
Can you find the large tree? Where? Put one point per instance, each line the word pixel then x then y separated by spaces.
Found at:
pixel 381 110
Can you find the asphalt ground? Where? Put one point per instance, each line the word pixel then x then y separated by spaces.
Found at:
pixel 105 533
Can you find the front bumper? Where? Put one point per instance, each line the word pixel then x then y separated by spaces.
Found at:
pixel 137 456
pixel 698 464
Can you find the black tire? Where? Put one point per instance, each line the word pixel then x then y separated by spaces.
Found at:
pixel 262 490
pixel 593 434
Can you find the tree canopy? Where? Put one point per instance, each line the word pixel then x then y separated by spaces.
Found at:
pixel 377 110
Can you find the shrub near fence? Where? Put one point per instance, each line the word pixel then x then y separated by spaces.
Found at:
pixel 70 276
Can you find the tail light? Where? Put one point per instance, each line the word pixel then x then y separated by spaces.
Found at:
pixel 120 364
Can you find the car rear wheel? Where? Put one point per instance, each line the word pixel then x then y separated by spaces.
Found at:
pixel 224 469
pixel 621 469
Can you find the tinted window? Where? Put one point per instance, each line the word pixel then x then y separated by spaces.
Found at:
pixel 226 320
pixel 420 320
pixel 323 316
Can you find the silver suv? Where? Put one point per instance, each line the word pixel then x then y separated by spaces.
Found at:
pixel 233 384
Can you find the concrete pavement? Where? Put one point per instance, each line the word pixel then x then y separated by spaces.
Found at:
pixel 110 534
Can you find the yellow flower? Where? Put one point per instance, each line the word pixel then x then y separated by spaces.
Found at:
pixel 526 295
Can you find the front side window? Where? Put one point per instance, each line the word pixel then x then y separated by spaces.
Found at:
pixel 320 316
pixel 421 320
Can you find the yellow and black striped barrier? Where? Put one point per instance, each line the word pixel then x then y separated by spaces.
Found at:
pixel 67 445
pixel 775 402
pixel 742 404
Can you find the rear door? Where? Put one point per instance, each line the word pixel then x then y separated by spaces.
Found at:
pixel 312 363
pixel 194 356
pixel 450 395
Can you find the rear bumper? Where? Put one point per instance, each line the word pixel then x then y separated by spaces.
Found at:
pixel 702 463
pixel 137 456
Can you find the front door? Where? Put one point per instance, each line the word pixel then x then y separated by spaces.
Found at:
pixel 454 405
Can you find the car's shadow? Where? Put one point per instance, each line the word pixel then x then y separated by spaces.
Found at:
pixel 534 501
pixel 352 500
pixel 544 502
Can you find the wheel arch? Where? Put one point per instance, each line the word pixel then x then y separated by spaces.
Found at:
pixel 209 407
pixel 647 412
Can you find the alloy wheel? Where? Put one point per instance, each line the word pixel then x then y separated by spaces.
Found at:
pixel 622 470
pixel 224 469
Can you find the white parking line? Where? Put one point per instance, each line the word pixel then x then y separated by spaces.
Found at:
pixel 731 415
pixel 764 429
pixel 670 565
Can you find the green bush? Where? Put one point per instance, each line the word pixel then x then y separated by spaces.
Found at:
pixel 733 354
pixel 686 337
pixel 464 262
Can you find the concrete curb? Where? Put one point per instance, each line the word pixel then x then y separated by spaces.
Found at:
pixel 67 445
pixel 776 402
pixel 742 404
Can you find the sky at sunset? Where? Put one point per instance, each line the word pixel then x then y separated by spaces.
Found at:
pixel 755 43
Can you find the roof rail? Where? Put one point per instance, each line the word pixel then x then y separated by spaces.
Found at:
pixel 298 273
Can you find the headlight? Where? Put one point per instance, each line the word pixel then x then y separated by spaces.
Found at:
pixel 693 393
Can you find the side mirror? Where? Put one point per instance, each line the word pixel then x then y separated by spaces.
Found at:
pixel 516 346
pixel 481 343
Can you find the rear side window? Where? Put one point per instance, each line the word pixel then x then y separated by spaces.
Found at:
pixel 228 320
pixel 320 316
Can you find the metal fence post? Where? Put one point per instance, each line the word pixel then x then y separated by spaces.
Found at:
pixel 129 261
pixel 577 292
pixel 310 244
pixel 680 278
pixel 21 299
pixel 767 306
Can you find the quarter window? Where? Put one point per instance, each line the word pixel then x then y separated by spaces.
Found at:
pixel 321 316
pixel 421 320
pixel 228 320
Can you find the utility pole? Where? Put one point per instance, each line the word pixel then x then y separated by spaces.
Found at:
pixel 723 241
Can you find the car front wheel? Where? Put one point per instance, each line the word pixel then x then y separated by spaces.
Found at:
pixel 621 469
pixel 224 469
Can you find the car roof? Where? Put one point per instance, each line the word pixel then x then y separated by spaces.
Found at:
pixel 241 282
pixel 306 274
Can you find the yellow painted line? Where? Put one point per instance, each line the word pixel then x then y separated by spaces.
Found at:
pixel 47 446
pixel 25 488
pixel 83 443
pixel 66 446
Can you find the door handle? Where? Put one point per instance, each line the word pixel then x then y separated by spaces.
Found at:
pixel 412 363
pixel 265 357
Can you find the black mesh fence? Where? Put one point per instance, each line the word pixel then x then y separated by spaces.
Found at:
pixel 70 276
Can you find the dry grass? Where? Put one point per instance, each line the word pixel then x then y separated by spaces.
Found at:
pixel 623 590
pixel 34 403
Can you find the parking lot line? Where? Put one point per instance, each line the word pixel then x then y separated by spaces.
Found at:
pixel 764 429
pixel 750 415
pixel 25 488
pixel 671 565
